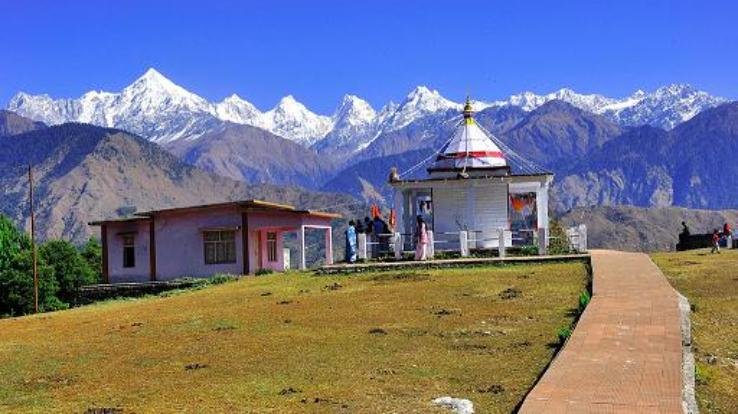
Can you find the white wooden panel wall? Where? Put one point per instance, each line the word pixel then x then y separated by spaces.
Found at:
pixel 491 211
pixel 449 210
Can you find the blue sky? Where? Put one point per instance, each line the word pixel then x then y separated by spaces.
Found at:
pixel 378 50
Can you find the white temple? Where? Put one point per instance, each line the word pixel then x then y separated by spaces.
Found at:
pixel 477 187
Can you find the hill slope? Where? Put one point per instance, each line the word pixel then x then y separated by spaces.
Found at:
pixel 14 124
pixel 692 165
pixel 253 155
pixel 84 172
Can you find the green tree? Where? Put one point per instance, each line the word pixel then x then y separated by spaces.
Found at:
pixel 69 268
pixel 92 253
pixel 16 275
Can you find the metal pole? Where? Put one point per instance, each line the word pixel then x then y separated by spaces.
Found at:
pixel 33 239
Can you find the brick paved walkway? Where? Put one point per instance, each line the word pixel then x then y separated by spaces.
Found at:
pixel 625 354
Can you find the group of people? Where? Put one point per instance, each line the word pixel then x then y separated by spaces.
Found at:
pixel 378 231
pixel 717 237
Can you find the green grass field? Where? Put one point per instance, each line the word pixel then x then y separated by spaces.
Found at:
pixel 378 342
pixel 710 282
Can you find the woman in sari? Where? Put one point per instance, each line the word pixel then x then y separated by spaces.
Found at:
pixel 421 240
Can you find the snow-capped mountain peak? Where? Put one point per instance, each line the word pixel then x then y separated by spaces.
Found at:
pixel 420 102
pixel 153 91
pixel 353 111
pixel 666 107
pixel 238 110
pixel 291 119
pixel 529 101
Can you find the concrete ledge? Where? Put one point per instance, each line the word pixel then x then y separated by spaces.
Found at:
pixel 93 293
pixel 445 263
pixel 689 401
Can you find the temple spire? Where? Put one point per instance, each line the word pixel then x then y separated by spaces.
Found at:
pixel 468 111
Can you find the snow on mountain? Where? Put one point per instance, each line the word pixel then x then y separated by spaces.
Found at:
pixel 418 104
pixel 158 109
pixel 666 107
pixel 529 101
pixel 152 106
pixel 43 108
pixel 239 111
pixel 293 120
pixel 353 124
pixel 162 111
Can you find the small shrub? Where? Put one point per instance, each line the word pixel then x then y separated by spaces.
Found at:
pixel 529 250
pixel 219 279
pixel 701 376
pixel 584 299
pixel 510 293
pixel 564 333
pixel 262 272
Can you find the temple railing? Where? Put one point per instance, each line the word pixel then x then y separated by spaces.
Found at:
pixel 464 242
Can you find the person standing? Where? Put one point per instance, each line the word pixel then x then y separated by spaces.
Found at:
pixel 421 240
pixel 377 230
pixel 351 243
pixel 715 242
pixel 728 234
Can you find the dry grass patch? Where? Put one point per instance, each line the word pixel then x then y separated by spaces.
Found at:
pixel 378 342
pixel 710 282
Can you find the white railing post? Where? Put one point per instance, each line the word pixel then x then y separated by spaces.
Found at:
pixel 501 242
pixel 582 238
pixel 397 245
pixel 463 244
pixel 361 245
pixel 542 245
pixel 430 249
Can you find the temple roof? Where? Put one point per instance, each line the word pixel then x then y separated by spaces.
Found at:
pixel 470 150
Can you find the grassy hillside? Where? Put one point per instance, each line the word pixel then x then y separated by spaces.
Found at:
pixel 710 282
pixel 379 342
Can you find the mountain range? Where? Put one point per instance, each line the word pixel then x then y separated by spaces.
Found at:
pixel 603 150
pixel 158 109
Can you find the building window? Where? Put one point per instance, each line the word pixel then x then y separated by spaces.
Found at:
pixel 219 246
pixel 272 247
pixel 129 251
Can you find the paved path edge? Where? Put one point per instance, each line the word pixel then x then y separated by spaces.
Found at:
pixel 689 401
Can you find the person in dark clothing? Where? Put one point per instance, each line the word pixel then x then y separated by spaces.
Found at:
pixel 368 225
pixel 685 229
pixel 359 227
pixel 350 255
pixel 715 242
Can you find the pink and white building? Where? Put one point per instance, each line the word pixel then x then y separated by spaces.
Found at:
pixel 239 237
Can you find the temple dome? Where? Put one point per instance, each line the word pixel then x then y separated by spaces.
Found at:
pixel 470 151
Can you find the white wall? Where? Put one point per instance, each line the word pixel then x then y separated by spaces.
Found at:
pixel 470 205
